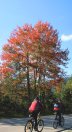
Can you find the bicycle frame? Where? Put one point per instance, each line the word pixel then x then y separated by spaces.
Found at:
pixel 57 123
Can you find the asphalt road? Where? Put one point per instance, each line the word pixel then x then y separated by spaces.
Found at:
pixel 17 124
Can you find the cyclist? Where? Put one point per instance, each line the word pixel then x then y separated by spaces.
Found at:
pixel 35 108
pixel 58 108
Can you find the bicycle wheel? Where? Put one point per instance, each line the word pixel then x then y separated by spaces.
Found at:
pixel 55 123
pixel 28 127
pixel 40 125
pixel 62 121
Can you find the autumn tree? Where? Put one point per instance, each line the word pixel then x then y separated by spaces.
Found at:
pixel 47 56
pixel 34 53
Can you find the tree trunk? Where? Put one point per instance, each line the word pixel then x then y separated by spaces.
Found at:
pixel 35 77
pixel 28 79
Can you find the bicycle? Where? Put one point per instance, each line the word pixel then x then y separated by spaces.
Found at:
pixel 30 125
pixel 56 122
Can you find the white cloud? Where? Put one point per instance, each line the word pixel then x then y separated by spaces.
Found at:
pixel 66 37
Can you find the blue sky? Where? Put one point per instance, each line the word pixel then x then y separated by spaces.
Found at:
pixel 57 12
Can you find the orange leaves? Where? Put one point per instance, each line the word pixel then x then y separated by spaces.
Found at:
pixel 5 70
pixel 8 56
pixel 13 40
pixel 40 26
pixel 42 46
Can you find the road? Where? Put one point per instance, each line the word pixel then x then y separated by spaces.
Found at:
pixel 17 124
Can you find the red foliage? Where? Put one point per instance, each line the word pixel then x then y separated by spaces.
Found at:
pixel 42 46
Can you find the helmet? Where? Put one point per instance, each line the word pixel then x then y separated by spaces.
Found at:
pixel 37 98
pixel 59 100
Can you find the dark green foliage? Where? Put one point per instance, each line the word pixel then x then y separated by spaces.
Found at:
pixel 67 94
pixel 9 108
pixel 67 99
pixel 14 102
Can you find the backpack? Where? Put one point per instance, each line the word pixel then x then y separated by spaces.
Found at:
pixel 56 107
pixel 33 106
pixel 39 106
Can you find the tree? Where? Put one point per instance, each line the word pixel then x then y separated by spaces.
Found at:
pixel 66 94
pixel 34 53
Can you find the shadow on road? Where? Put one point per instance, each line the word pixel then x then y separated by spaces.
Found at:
pixel 65 129
pixel 48 122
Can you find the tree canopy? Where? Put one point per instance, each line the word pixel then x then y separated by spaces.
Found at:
pixel 34 54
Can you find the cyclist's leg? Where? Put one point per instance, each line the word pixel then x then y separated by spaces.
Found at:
pixel 59 117
pixel 62 120
pixel 56 114
pixel 34 115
